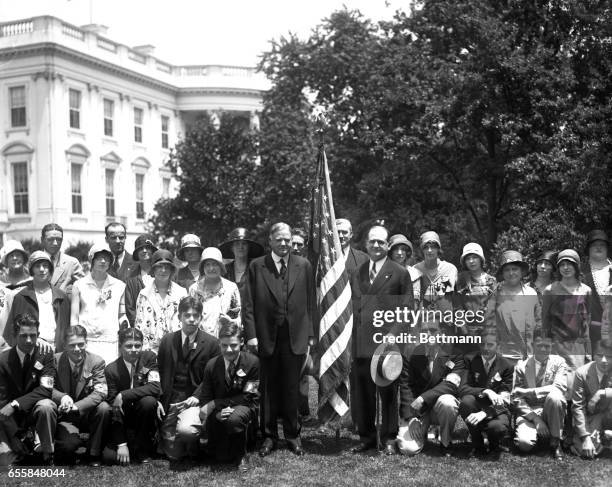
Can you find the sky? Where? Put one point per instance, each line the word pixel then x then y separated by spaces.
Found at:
pixel 233 32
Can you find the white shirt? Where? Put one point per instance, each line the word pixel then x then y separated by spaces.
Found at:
pixel 191 337
pixel 538 365
pixel 21 355
pixel 487 364
pixel 46 317
pixel 277 261
pixel 379 264
pixel 129 368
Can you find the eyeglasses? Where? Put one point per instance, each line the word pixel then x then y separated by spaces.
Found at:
pixel 607 355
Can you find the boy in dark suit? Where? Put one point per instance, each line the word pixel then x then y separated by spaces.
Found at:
pixel 80 391
pixel 26 382
pixel 229 394
pixel 485 398
pixel 133 391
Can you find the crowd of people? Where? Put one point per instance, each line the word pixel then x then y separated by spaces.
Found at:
pixel 152 357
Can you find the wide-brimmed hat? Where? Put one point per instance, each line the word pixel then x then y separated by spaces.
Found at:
pixel 189 241
pixel 512 257
pixel 472 248
pixel 569 254
pixel 37 256
pixel 211 253
pixel 595 235
pixel 240 234
pixel 411 438
pixel 162 256
pixel 386 364
pixel 548 256
pixel 400 239
pixel 11 246
pixel 96 249
pixel 430 237
pixel 144 240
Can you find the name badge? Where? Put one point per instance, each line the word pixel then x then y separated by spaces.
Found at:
pixel 153 376
pixel 47 382
pixel 450 364
pixel 497 377
pixel 38 365
pixel 241 373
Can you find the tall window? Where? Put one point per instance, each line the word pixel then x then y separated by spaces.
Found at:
pixel 75 108
pixel 165 187
pixel 137 124
pixel 20 187
pixel 109 108
pixel 110 192
pixel 140 214
pixel 77 196
pixel 165 122
pixel 18 106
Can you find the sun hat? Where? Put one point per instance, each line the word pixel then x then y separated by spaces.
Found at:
pixel 144 240
pixel 189 241
pixel 240 234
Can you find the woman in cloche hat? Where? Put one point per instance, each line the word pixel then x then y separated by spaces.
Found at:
pixel 14 258
pixel 190 251
pixel 545 267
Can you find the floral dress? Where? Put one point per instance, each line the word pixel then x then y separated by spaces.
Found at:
pixel 156 316
pixel 437 292
pixel 225 300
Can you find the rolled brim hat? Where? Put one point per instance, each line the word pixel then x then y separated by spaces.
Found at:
pixel 96 249
pixel 411 438
pixel 189 241
pixel 11 246
pixel 594 236
pixel 430 237
pixel 38 256
pixel 236 235
pixel 512 257
pixel 570 255
pixel 142 241
pixel 162 256
pixel 400 239
pixel 211 253
pixel 548 256
pixel 472 248
pixel 386 364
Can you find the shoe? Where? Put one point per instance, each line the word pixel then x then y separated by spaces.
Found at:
pixel 95 462
pixel 389 449
pixel 296 448
pixel 267 447
pixel 48 460
pixel 363 446
pixel 478 452
pixel 555 451
pixel 445 451
pixel 146 460
pixel 243 464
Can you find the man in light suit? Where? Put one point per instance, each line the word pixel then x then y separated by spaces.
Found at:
pixel 540 383
pixel 79 393
pixel 379 276
pixel 66 269
pixel 592 403
pixel 278 321
pixel 123 263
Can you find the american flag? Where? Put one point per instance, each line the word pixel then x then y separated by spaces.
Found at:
pixel 333 300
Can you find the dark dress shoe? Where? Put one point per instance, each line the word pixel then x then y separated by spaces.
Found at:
pixel 445 451
pixel 243 464
pixel 555 451
pixel 267 447
pixel 94 462
pixel 389 449
pixel 296 448
pixel 363 446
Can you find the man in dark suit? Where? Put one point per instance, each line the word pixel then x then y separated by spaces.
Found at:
pixel 79 393
pixel 485 397
pixel 278 321
pixel 26 382
pixel 374 281
pixel 133 392
pixel 429 385
pixel 354 258
pixel 123 263
pixel 229 394
pixel 183 355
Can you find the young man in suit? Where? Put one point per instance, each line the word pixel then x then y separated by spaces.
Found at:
pixel 123 263
pixel 133 392
pixel 26 382
pixel 485 397
pixel 354 258
pixel 592 403
pixel 429 386
pixel 80 392
pixel 66 269
pixel 540 383
pixel 229 394
pixel 374 280
pixel 279 300
pixel 183 355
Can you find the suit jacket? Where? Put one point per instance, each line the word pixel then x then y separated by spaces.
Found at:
pixel 66 271
pixel 206 348
pixel 354 259
pixel 416 379
pixel 263 297
pixel 91 388
pixel 499 380
pixel 596 308
pixel 133 286
pixel 184 277
pixel 244 387
pixel 586 384
pixel 146 379
pixel 29 393
pixel 126 269
pixel 25 302
pixel 555 377
pixel 393 280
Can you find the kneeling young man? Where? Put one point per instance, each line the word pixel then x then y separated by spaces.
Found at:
pixel 592 403
pixel 80 392
pixel 485 398
pixel 540 383
pixel 229 394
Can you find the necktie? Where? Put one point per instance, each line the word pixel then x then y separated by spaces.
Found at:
pixel 283 269
pixel 25 368
pixel 373 273
pixel 115 266
pixel 186 348
pixel 231 371
pixel 74 379
pixel 604 381
pixel 541 372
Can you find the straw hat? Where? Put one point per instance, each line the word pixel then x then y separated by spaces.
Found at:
pixel 189 241
pixel 386 364
pixel 11 246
